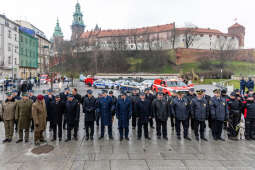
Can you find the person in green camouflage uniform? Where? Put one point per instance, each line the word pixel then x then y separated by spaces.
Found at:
pixel 8 115
pixel 23 116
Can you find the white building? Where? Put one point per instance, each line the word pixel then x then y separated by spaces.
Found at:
pixel 9 48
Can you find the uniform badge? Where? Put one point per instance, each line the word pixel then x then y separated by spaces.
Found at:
pixel 223 104
pixel 204 105
pixel 185 104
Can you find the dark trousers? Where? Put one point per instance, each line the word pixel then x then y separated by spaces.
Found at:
pixel 109 130
pixel 126 132
pixel 64 124
pixel 89 127
pixel 185 125
pixel 97 120
pixel 234 120
pixel 134 121
pixel 57 127
pixel 144 126
pixel 172 121
pixel 70 127
pixel 200 124
pixel 32 125
pixel 151 122
pixel 249 128
pixel 217 128
pixel 161 127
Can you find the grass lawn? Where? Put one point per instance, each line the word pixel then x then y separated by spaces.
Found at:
pixel 237 67
pixel 209 81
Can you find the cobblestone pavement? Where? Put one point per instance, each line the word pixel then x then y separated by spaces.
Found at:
pixel 131 155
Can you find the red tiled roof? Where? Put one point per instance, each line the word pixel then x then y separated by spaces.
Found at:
pixel 201 30
pixel 126 32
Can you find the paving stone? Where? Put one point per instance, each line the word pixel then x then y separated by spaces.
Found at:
pixel 203 164
pixel 165 164
pixel 97 165
pixel 117 156
pixel 178 156
pixel 145 156
pixel 77 165
pixel 129 165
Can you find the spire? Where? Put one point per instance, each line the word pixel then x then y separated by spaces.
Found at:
pixel 57 31
pixel 77 16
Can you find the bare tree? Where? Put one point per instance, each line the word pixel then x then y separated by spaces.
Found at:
pixel 190 37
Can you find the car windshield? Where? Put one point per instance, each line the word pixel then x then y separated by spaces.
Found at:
pixel 175 83
pixel 43 77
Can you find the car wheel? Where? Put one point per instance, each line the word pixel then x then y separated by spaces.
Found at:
pixel 112 87
pixel 106 87
pixel 95 87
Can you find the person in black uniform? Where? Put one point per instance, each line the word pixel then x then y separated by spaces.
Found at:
pixel 89 108
pixel 114 102
pixel 235 109
pixel 181 111
pixel 191 95
pixel 199 113
pixel 72 116
pixel 249 115
pixel 134 99
pixel 219 114
pixel 144 111
pixel 33 98
pixel 170 100
pixel 49 101
pixel 57 117
pixel 150 98
pixel 208 99
pixel 63 97
pixel 77 96
pixel 160 109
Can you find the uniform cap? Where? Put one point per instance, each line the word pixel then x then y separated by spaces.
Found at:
pixel 123 93
pixel 233 94
pixel 142 94
pixel 104 91
pixel 50 91
pixel 192 89
pixel 89 91
pixel 250 95
pixel 40 97
pixel 111 92
pixel 31 91
pixel 216 91
pixel 199 92
pixel 146 89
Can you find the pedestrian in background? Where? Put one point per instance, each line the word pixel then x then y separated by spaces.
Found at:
pixel 242 85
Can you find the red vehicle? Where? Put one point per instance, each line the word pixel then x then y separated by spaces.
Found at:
pixel 169 85
pixel 89 81
pixel 44 79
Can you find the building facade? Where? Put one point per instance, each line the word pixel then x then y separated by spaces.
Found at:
pixel 44 46
pixel 28 53
pixel 163 37
pixel 9 48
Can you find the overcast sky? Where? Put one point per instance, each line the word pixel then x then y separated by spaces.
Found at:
pixel 113 14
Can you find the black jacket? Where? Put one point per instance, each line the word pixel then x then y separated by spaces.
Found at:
pixel 160 109
pixel 199 109
pixel 134 100
pixel 234 106
pixel 58 111
pixel 249 109
pixel 89 108
pixel 144 110
pixel 114 102
pixel 181 108
pixel 72 113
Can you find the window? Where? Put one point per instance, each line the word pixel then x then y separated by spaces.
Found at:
pixel 15 37
pixel 21 38
pixel 21 51
pixel 9 60
pixel 201 35
pixel 218 36
pixel 9 47
pixel 210 35
pixel 15 61
pixel 9 34
pixel 15 28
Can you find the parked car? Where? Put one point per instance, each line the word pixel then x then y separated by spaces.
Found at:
pixel 147 83
pixel 44 79
pixel 82 78
pixel 89 81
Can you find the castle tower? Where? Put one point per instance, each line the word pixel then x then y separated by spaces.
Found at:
pixel 58 36
pixel 78 26
pixel 239 31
